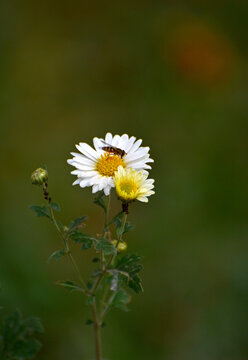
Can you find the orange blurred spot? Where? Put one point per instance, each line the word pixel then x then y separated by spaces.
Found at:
pixel 201 54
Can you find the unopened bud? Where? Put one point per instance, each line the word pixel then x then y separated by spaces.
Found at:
pixel 122 246
pixel 39 176
pixel 66 229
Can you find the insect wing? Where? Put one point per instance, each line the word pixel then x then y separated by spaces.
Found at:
pixel 106 144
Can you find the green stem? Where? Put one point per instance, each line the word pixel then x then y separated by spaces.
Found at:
pixel 97 330
pixel 107 212
pixel 105 231
pixel 65 241
pixel 101 276
pixel 104 311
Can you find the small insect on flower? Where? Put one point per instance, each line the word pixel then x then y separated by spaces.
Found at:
pixel 97 167
pixel 113 150
pixel 131 184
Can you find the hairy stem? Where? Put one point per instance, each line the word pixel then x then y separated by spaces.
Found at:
pixel 68 251
pixel 97 322
pixel 105 231
pixel 97 330
pixel 101 276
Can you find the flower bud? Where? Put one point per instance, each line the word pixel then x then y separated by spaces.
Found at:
pixel 122 246
pixel 39 176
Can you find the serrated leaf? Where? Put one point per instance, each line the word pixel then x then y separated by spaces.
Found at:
pixel 76 222
pixel 100 201
pixel 42 210
pixel 130 265
pixel 106 246
pixel 23 350
pixel 18 339
pixel 33 325
pixel 117 220
pixel 85 240
pixel 136 284
pixel 57 254
pixel 121 299
pixel 70 285
pixel 55 206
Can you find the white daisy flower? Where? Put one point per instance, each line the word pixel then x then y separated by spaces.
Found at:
pixel 96 167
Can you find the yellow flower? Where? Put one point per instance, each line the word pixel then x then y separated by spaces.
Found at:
pixel 132 184
pixel 122 245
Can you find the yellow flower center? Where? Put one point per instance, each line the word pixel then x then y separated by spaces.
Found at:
pixel 108 164
pixel 128 187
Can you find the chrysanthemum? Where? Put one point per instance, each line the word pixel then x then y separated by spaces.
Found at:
pixel 131 184
pixel 96 167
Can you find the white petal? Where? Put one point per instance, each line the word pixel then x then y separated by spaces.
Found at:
pixel 84 174
pixel 142 152
pixel 136 164
pixel 97 143
pixel 123 141
pixel 82 159
pixel 87 150
pixel 95 180
pixel 70 161
pixel 108 138
pixel 84 183
pixel 82 167
pixel 150 181
pixel 129 144
pixel 115 140
pixel 76 182
pixel 95 188
pixel 149 187
pixel 107 190
pixel 135 146
pixel 142 198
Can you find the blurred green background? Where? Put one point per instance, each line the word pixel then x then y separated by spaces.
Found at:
pixel 174 74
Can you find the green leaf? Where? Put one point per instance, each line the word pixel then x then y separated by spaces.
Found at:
pixel 89 322
pixel 57 254
pixel 121 299
pixel 33 324
pixel 85 240
pixel 117 220
pixel 74 224
pixel 18 339
pixel 60 225
pixel 25 349
pixel 89 300
pixel 42 210
pixel 69 285
pixel 106 246
pixel 100 200
pixel 130 265
pixel 136 284
pixel 55 206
